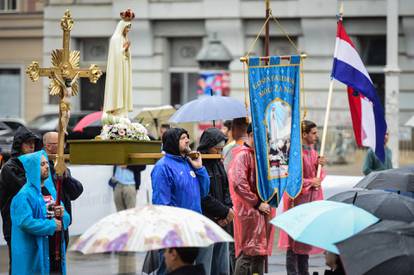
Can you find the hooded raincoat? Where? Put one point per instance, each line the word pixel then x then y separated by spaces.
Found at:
pixel 174 180
pixel 308 194
pixel 30 227
pixel 217 204
pixel 12 177
pixel 253 234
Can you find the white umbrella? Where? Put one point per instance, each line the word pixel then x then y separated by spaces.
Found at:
pixel 148 228
pixel 410 122
pixel 155 114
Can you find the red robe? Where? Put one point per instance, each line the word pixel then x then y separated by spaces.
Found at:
pixel 253 234
pixel 308 194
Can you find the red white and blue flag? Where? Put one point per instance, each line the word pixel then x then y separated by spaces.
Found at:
pixel 366 110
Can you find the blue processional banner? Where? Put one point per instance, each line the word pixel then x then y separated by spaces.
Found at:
pixel 275 110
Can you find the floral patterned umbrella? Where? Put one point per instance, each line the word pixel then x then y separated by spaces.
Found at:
pixel 149 228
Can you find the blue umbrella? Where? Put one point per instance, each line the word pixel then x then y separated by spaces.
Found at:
pixel 209 108
pixel 323 223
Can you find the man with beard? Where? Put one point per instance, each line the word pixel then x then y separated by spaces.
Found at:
pixel 12 177
pixel 177 179
pixel 71 187
pixel 35 219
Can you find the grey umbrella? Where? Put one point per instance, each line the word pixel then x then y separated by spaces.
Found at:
pixel 382 249
pixel 392 179
pixel 208 108
pixel 408 169
pixel 382 204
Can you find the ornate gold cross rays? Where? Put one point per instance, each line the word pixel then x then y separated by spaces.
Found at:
pixel 63 74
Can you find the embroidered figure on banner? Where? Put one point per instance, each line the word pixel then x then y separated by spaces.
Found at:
pixel 278 128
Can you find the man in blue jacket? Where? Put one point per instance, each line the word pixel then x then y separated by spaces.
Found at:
pixel 178 180
pixel 34 222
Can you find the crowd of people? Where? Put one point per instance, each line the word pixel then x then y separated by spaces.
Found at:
pixel 35 227
pixel 225 190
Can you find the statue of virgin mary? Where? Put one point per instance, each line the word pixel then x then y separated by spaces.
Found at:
pixel 118 86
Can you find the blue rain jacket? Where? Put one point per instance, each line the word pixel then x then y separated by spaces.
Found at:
pixel 30 227
pixel 176 183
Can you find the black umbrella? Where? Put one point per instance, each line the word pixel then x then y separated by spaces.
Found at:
pixel 382 249
pixel 393 179
pixel 382 204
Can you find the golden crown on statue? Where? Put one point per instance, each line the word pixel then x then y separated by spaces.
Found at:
pixel 127 15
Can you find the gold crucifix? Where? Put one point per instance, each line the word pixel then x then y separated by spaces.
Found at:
pixel 64 74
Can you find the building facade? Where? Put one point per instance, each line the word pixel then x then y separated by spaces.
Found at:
pixel 167 35
pixel 21 41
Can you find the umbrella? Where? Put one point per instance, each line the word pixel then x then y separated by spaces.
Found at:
pixel 208 108
pixel 382 249
pixel 407 169
pixel 391 179
pixel 382 204
pixel 323 223
pixel 155 114
pixel 149 228
pixel 410 122
pixel 93 119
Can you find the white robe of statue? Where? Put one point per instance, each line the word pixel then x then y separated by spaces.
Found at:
pixel 118 85
pixel 273 127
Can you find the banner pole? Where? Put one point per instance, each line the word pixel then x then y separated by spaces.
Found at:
pixel 267 28
pixel 325 126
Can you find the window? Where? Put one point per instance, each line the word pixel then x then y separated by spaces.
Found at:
pixel 92 95
pixel 184 69
pixel 8 5
pixel 373 52
pixel 94 49
pixel 280 46
pixel 372 49
pixel 183 87
pixel 10 92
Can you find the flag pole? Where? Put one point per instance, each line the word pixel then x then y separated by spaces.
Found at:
pixel 325 126
pixel 328 109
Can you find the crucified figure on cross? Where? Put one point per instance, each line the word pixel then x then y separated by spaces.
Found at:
pixel 64 104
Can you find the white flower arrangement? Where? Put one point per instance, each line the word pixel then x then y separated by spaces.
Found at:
pixel 124 129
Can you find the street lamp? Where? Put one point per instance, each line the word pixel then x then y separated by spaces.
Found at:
pixel 214 60
pixel 214 56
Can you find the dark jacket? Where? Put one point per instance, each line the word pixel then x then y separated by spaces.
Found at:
pixel 189 270
pixel 12 176
pixel 71 190
pixel 338 271
pixel 216 205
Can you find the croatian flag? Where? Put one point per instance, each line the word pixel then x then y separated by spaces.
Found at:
pixel 366 110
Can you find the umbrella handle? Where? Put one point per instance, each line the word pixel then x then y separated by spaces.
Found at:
pixel 355 197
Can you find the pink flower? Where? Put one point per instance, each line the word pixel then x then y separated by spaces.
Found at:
pixel 121 132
